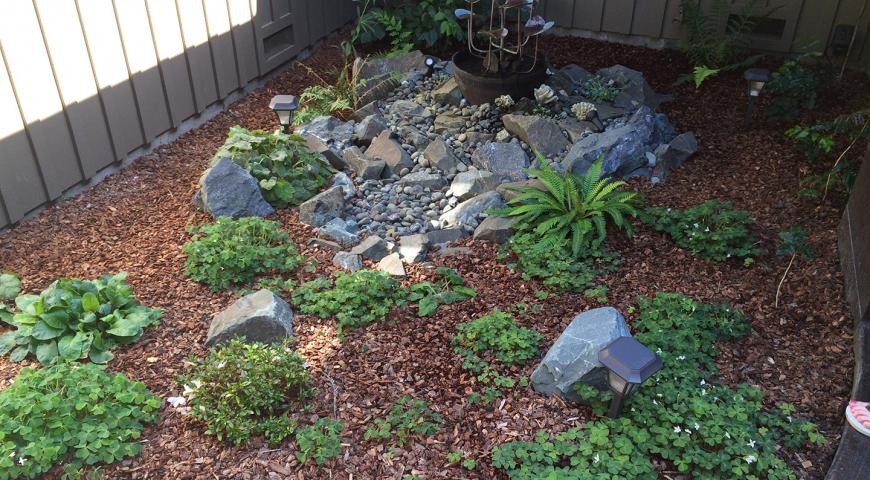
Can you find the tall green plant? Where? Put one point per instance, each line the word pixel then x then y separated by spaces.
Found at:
pixel 572 207
pixel 422 23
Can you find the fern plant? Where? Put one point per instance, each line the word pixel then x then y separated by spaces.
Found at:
pixel 572 207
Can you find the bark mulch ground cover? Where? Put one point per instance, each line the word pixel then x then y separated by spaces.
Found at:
pixel 135 221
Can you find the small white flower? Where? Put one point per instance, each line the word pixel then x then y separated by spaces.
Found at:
pixel 697 427
pixel 681 357
pixel 597 458
pixel 707 229
pixel 655 402
pixel 677 429
pixel 703 393
pixel 688 432
pixel 659 351
pixel 728 256
pixel 751 443
pixel 696 225
pixel 176 401
pixel 750 458
pixel 727 435
pixel 703 382
pixel 221 365
pixel 12 455
pixel 21 460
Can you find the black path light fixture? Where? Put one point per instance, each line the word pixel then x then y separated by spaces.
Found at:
pixel 430 62
pixel 284 106
pixel 629 363
pixel 756 77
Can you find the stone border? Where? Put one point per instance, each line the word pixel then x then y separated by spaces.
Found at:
pixel 852 460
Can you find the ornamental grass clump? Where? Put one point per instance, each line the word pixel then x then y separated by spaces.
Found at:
pixel 682 415
pixel 233 252
pixel 288 173
pixel 74 319
pixel 712 229
pixel 70 414
pixel 241 390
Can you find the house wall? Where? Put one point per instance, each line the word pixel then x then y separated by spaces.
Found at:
pixel 86 84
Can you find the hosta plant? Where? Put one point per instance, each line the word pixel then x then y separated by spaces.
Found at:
pixel 712 229
pixel 287 171
pixel 231 252
pixel 74 319
pixel 572 207
pixel 245 389
pixel 448 288
pixel 70 414
pixel 355 299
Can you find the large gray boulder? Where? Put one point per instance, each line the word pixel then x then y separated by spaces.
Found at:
pixel 472 183
pixel 341 231
pixel 347 261
pixel 440 156
pixel 507 160
pixel 542 134
pixel 576 73
pixel 624 147
pixel 329 136
pixel 409 109
pixel 674 154
pixel 633 88
pixel 385 148
pixel 495 229
pixel 373 247
pixel 413 248
pixel 511 190
pixel 323 207
pixel 259 317
pixel 228 189
pixel 574 356
pixel 369 128
pixel 467 214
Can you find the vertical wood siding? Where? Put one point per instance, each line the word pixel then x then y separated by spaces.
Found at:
pixel 85 82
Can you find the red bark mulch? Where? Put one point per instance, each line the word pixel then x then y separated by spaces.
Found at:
pixel 135 221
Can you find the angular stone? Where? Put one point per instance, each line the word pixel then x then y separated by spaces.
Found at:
pixel 576 73
pixel 577 129
pixel 347 261
pixel 259 317
pixel 340 231
pixel 365 168
pixel 446 235
pixel 503 136
pixel 335 156
pixel 542 134
pixel 369 128
pixel 448 93
pixel 321 208
pixel 228 189
pixel 432 181
pixel 507 160
pixel 449 123
pixel 466 214
pixel 385 148
pixel 413 248
pixel 624 147
pixel 392 264
pixel 329 130
pixel 509 191
pixel 411 135
pixel 373 248
pixel 633 88
pixel 574 355
pixel 495 229
pixel 342 181
pixel 325 244
pixel 370 108
pixel 440 156
pixel 674 154
pixel 377 75
pixel 472 183
pixel 560 82
pixel 473 138
pixel 408 109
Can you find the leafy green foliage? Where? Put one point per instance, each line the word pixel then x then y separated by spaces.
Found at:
pixel 321 100
pixel 598 89
pixel 793 88
pixel 231 252
pixel 599 293
pixel 682 415
pixel 422 23
pixel 450 288
pixel 244 389
pixel 74 319
pixel 554 263
pixel 70 414
pixel 320 441
pixel 355 300
pixel 711 229
pixel 571 207
pixel 794 242
pixel 10 286
pixel 277 285
pixel 407 419
pixel 287 171
pixel 707 44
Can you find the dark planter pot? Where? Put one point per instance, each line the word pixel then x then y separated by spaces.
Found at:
pixel 480 87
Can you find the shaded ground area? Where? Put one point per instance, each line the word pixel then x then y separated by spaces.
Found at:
pixel 135 222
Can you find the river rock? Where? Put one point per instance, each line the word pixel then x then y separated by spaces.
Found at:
pixel 259 317
pixel 228 189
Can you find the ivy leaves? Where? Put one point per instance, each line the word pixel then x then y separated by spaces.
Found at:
pixel 74 319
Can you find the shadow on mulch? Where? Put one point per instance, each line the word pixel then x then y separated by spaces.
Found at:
pixel 135 221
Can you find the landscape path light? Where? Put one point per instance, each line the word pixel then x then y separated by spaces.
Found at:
pixel 284 106
pixel 756 77
pixel 430 62
pixel 628 364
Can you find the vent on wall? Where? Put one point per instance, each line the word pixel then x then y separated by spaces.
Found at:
pixel 764 26
pixel 278 42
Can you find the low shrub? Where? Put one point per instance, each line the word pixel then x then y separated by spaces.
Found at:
pixel 287 171
pixel 712 229
pixel 74 319
pixel 245 389
pixel 355 299
pixel 422 23
pixel 793 89
pixel 598 89
pixel 231 252
pixel 682 415
pixel 70 414
pixel 320 441
pixel 407 419
pixel 448 289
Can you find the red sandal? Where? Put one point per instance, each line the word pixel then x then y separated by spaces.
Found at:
pixel 858 415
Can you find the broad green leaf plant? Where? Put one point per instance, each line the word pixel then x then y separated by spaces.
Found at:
pixel 449 288
pixel 74 319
